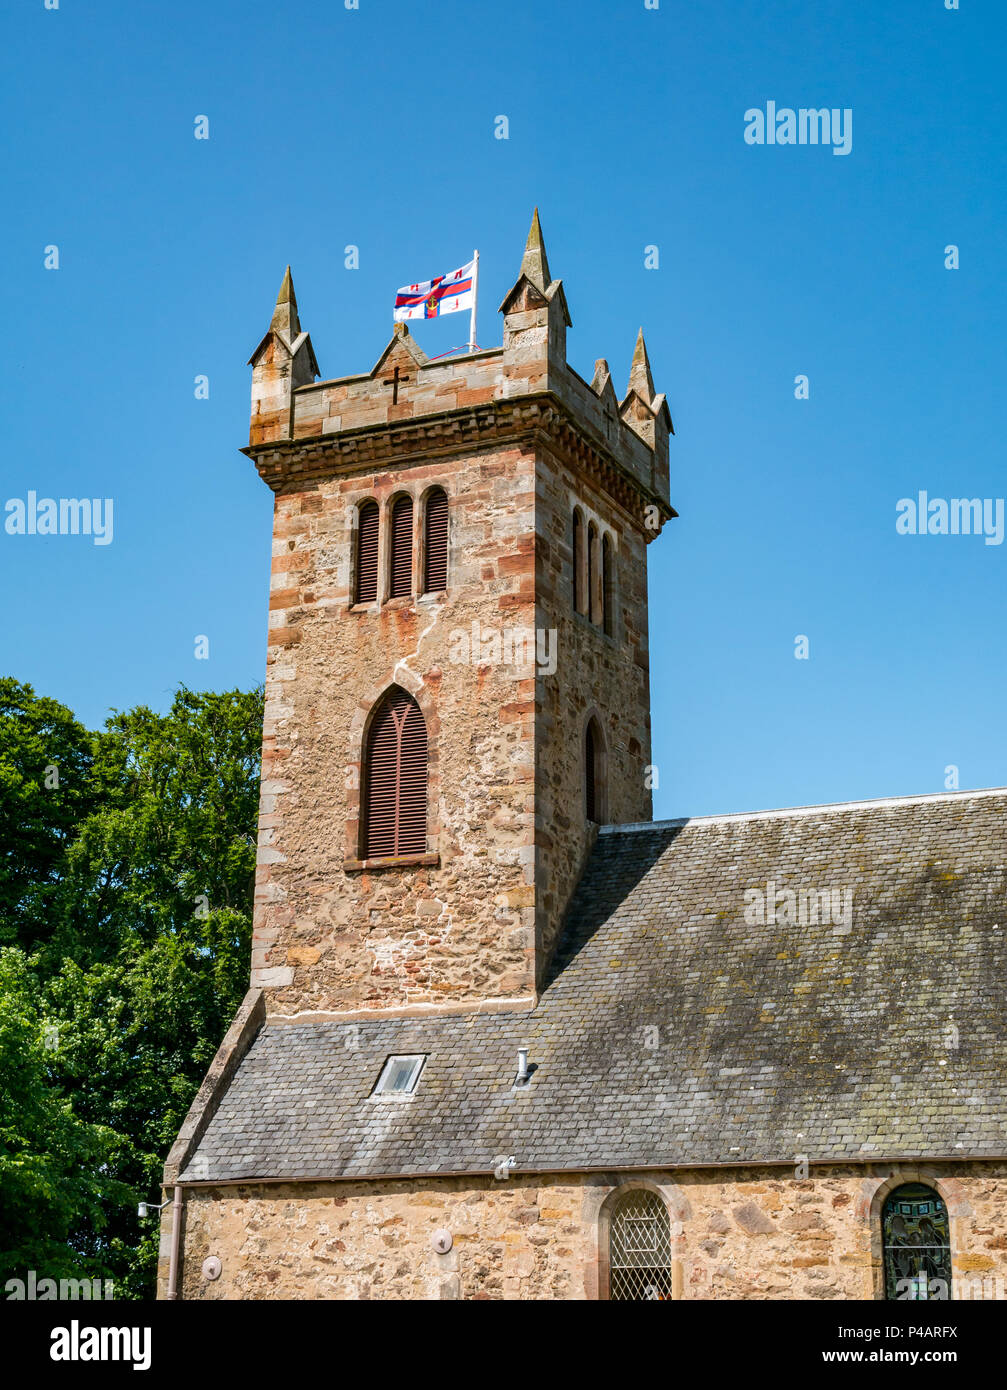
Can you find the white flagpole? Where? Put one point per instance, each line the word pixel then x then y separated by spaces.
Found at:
pixel 475 298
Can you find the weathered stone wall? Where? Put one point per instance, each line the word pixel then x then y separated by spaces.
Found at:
pixel 736 1234
pixel 596 675
pixel 332 938
pixel 506 792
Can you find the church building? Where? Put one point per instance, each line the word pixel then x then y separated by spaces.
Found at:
pixel 506 1036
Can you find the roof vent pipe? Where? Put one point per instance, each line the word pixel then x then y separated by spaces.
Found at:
pixel 522 1066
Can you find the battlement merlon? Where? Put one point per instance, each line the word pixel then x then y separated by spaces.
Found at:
pixel 408 405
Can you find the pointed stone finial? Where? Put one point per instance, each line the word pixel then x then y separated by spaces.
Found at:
pixel 640 379
pixel 534 263
pixel 601 373
pixel 285 318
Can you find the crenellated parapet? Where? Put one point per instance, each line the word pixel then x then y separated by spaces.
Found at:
pixel 303 428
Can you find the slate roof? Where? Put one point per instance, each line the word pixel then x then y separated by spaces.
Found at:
pixel 675 1033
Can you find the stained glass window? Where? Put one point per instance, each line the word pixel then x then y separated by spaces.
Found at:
pixel 640 1248
pixel 917 1244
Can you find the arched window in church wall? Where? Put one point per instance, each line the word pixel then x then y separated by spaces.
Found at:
pixel 916 1240
pixel 395 779
pixel 595 771
pixel 435 542
pixel 639 1256
pixel 592 607
pixel 400 577
pixel 366 589
pixel 608 586
pixel 579 563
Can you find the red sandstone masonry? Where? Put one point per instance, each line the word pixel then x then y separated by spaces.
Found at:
pixel 515 438
pixel 331 940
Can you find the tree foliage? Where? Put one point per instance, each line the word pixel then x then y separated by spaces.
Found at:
pixel 130 883
pixel 54 1166
pixel 45 793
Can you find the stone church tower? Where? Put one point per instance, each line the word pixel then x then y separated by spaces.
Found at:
pixel 528 662
pixel 506 1037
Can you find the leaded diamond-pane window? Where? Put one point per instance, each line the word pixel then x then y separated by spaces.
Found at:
pixel 640 1248
pixel 917 1244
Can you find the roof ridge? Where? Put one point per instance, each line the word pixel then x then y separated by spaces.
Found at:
pixel 921 798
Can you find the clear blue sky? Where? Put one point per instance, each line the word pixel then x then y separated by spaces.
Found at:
pixel 375 127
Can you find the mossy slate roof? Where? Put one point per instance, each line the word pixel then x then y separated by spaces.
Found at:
pixel 673 1032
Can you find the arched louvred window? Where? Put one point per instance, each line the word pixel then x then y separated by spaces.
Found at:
pixel 435 566
pixel 401 578
pixel 640 1249
pixel 591 608
pixel 607 586
pixel 917 1244
pixel 579 562
pixel 367 553
pixel 395 779
pixel 593 772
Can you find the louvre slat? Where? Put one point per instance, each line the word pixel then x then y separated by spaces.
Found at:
pixel 395 816
pixel 436 577
pixel 402 549
pixel 367 553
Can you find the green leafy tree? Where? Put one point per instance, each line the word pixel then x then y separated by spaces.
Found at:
pixel 147 957
pixel 45 793
pixel 54 1166
pixel 173 836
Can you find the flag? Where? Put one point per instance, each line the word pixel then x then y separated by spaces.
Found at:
pixel 444 294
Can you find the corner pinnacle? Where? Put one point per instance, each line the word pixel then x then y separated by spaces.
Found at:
pixel 285 318
pixel 534 264
pixel 640 379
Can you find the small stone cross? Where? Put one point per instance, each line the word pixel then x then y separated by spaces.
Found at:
pixel 395 381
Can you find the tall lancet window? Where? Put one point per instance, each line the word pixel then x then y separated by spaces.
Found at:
pixel 395 779
pixel 608 587
pixel 917 1244
pixel 579 563
pixel 435 559
pixel 401 558
pixel 594 773
pixel 592 607
pixel 367 553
